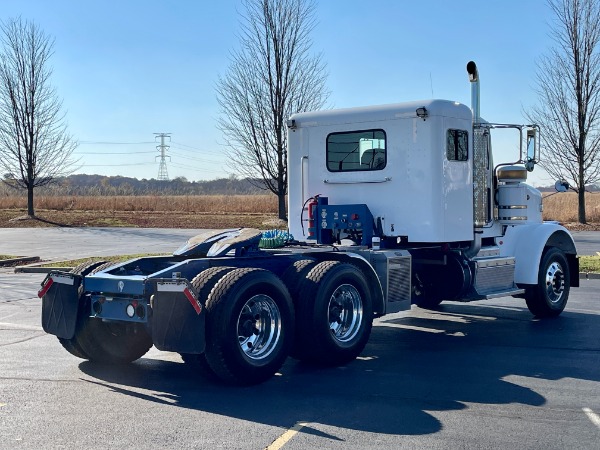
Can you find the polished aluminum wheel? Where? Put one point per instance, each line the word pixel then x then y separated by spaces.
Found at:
pixel 555 282
pixel 345 313
pixel 259 327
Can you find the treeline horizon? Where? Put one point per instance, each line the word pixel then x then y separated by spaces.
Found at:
pixel 92 185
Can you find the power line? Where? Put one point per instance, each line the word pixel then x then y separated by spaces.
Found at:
pixel 113 143
pixel 196 159
pixel 185 145
pixel 117 165
pixel 112 153
pixel 181 166
pixel 193 149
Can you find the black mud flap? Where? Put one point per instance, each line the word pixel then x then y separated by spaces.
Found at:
pixel 60 303
pixel 178 318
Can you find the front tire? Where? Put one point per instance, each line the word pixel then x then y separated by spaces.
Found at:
pixel 549 297
pixel 334 314
pixel 249 326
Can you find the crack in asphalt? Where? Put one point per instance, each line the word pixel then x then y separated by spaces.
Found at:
pixel 23 340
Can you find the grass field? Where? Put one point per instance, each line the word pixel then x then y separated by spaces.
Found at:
pixel 563 207
pixel 207 211
pixel 202 211
pixel 265 204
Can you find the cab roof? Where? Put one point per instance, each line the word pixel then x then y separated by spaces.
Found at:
pixel 444 108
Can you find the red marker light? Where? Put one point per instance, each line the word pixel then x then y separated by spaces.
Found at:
pixel 45 287
pixel 192 300
pixel 354 217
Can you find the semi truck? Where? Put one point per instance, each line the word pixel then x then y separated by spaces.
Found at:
pixel 388 206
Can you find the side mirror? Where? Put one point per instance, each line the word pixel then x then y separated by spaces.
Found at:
pixel 531 147
pixel 561 186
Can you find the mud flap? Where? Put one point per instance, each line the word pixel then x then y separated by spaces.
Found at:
pixel 60 304
pixel 178 318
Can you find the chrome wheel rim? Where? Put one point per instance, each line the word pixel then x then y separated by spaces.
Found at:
pixel 555 283
pixel 345 313
pixel 259 327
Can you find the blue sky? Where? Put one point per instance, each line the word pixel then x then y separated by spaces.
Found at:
pixel 127 69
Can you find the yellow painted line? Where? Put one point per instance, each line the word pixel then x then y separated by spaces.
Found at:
pixel 285 437
pixel 595 418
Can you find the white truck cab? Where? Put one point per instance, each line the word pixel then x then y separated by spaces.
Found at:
pixel 420 177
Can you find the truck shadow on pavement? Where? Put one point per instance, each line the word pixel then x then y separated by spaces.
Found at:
pixel 414 368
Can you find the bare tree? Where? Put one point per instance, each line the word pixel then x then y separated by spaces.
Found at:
pixel 35 147
pixel 568 84
pixel 272 76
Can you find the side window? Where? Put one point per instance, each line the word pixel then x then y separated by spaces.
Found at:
pixel 457 145
pixel 356 150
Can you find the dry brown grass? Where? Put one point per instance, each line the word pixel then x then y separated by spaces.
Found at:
pixel 563 207
pixel 209 211
pixel 193 211
pixel 218 204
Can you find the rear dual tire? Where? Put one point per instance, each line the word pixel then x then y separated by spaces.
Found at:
pixel 104 342
pixel 249 326
pixel 334 314
pixel 71 345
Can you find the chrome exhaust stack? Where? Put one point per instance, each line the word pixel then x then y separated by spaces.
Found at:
pixel 474 79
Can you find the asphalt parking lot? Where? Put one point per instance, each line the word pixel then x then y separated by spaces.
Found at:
pixel 479 375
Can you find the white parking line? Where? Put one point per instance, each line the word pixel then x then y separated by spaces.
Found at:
pixel 285 437
pixel 16 326
pixel 595 418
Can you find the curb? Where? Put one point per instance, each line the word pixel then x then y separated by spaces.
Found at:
pixel 25 269
pixel 20 259
pixel 35 267
pixel 589 276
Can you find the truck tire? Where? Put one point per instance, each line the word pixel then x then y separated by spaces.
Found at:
pixel 293 277
pixel 113 342
pixel 295 274
pixel 204 283
pixel 428 301
pixel 249 326
pixel 101 267
pixel 549 297
pixel 334 314
pixel 109 342
pixel 71 345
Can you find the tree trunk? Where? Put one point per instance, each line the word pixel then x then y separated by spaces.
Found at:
pixel 30 211
pixel 581 209
pixel 281 205
pixel 581 196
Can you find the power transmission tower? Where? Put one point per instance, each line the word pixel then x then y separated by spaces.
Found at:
pixel 163 148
